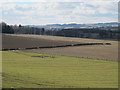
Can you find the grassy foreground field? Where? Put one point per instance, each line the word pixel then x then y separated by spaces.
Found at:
pixel 24 70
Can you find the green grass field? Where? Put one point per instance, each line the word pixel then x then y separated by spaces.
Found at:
pixel 21 70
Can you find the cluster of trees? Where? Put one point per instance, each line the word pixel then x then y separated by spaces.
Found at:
pixel 14 29
pixel 4 28
pixel 96 33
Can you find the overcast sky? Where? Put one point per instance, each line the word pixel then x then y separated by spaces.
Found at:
pixel 56 12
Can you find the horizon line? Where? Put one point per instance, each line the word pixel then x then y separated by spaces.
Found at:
pixel 62 23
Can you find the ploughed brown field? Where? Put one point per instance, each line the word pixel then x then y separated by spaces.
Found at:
pixel 29 41
pixel 107 52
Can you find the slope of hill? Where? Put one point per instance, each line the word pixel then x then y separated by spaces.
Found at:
pixel 75 25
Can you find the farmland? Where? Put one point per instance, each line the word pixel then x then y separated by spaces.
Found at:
pixel 15 41
pixel 107 52
pixel 97 52
pixel 91 66
pixel 22 70
pixel 28 41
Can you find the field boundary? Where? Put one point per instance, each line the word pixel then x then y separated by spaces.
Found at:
pixel 70 45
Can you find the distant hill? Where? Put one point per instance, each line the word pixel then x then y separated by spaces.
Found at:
pixel 74 25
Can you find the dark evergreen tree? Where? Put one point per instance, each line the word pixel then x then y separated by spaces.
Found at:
pixel 6 28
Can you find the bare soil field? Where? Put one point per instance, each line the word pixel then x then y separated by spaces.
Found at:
pixel 107 52
pixel 99 52
pixel 28 41
pixel 58 38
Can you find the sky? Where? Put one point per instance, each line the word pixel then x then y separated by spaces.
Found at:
pixel 41 12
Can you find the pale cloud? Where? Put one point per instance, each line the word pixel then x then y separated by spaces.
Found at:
pixel 19 12
pixel 10 6
pixel 55 0
pixel 0 6
pixel 83 19
pixel 23 6
pixel 83 10
pixel 59 12
pixel 102 6
pixel 102 11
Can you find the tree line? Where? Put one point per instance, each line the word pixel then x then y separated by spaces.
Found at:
pixel 14 29
pixel 95 33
